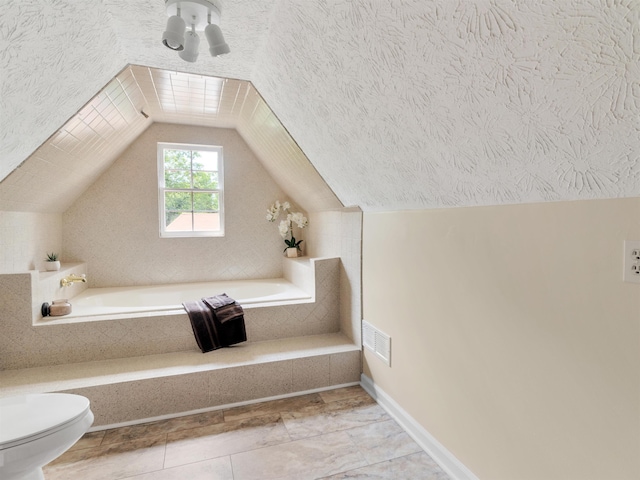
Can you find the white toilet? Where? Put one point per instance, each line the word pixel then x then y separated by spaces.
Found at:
pixel 37 428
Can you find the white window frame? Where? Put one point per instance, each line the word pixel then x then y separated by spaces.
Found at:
pixel 161 189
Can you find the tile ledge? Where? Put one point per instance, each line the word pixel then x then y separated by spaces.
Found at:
pixel 104 372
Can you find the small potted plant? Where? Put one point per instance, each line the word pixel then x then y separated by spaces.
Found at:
pixel 52 263
pixel 285 227
pixel 293 247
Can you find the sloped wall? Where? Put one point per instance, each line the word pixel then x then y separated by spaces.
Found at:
pixel 514 339
pixel 55 57
pixel 113 226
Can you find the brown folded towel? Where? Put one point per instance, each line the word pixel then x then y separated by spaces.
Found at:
pixel 224 307
pixel 217 322
pixel 204 325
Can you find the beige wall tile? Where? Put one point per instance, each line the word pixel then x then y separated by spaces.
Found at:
pixel 113 226
pixel 311 372
pixel 250 382
pixel 24 345
pixel 147 398
pixel 339 233
pixel 26 238
pixel 346 367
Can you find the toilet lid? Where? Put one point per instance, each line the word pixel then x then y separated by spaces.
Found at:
pixel 35 415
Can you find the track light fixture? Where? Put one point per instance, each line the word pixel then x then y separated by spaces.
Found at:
pixel 173 37
pixel 217 45
pixel 191 44
pixel 193 15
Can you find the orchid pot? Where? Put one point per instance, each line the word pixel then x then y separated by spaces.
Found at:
pixel 52 264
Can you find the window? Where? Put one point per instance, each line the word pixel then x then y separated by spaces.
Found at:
pixel 190 190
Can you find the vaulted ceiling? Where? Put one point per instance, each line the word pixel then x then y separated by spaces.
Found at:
pixel 397 104
pixel 61 169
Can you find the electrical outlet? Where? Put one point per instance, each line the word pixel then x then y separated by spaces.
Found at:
pixel 631 261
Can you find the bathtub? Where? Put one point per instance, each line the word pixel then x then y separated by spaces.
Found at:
pixel 127 302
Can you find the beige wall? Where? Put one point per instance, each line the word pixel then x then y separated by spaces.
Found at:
pixel 515 342
pixel 113 226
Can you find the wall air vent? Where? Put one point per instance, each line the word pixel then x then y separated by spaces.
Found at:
pixel 376 341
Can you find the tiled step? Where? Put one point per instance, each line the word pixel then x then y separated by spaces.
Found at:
pixel 129 389
pixel 51 342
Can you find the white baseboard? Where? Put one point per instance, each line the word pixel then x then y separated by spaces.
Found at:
pixel 443 457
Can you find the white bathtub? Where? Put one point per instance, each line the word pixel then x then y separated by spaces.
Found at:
pixel 123 302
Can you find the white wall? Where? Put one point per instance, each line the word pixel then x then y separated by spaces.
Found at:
pixel 514 340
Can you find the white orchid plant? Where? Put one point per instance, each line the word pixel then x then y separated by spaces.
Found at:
pixel 285 225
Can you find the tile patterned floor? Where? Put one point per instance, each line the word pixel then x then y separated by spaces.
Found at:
pixel 337 434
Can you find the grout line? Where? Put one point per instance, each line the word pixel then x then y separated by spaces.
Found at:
pixel 233 475
pixel 166 444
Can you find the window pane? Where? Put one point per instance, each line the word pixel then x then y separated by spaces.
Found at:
pixel 205 161
pixel 177 179
pixel 206 222
pixel 177 159
pixel 177 201
pixel 205 202
pixel 191 190
pixel 205 180
pixel 179 222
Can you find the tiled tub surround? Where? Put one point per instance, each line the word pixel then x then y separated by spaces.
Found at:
pixel 147 367
pixel 45 286
pixel 25 237
pixel 24 345
pixel 127 390
pixel 111 303
pixel 338 233
pixel 121 208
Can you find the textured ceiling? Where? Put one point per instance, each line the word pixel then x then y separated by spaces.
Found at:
pixel 414 103
pixel 398 104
